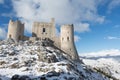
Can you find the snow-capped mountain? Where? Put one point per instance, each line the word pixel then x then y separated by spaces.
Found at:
pixel 35 61
pixel 106 62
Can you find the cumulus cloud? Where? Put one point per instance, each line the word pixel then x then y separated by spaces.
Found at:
pixel 112 38
pixel 64 11
pixel 76 38
pixel 3 33
pixel 82 27
pixel 113 4
pixel 1 1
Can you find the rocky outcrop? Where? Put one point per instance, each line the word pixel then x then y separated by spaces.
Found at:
pixel 18 77
pixel 47 58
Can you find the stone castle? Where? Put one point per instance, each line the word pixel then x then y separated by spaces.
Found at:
pixel 46 31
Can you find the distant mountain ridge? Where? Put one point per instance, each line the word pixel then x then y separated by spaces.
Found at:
pixel 108 63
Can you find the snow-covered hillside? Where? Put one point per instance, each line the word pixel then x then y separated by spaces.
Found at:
pixel 107 64
pixel 35 61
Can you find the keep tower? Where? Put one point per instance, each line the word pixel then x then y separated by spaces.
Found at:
pixel 15 30
pixel 67 41
pixel 44 30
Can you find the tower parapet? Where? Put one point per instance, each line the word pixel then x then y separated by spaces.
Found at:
pixel 15 30
pixel 67 41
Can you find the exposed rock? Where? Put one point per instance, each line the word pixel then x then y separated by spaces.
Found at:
pixel 43 78
pixel 18 77
pixel 15 65
pixel 52 58
pixel 47 58
pixel 11 53
pixel 71 78
pixel 10 40
pixel 28 63
pixel 24 78
pixel 43 57
pixel 52 73
pixel 15 58
pixel 15 77
pixel 2 62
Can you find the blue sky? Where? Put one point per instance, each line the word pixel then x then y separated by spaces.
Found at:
pixel 97 22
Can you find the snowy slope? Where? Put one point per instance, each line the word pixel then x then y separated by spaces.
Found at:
pixel 40 62
pixel 108 63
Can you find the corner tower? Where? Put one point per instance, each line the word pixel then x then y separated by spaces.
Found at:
pixel 67 41
pixel 15 30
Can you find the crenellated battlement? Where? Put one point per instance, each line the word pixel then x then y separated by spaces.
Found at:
pixel 15 22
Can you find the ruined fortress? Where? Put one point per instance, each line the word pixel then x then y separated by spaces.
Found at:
pixel 46 30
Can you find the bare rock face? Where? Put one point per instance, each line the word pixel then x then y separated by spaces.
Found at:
pixel 43 78
pixel 17 77
pixel 52 74
pixel 45 57
pixel 10 40
pixel 52 58
pixel 24 78
pixel 12 53
pixel 2 62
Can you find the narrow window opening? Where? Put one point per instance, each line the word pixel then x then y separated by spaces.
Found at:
pixel 68 38
pixel 10 36
pixel 62 39
pixel 43 29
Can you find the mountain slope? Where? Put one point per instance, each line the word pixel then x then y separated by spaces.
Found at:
pixel 37 61
pixel 108 64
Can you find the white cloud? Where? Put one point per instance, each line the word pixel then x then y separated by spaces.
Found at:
pixel 64 11
pixel 1 1
pixel 82 27
pixel 112 38
pixel 101 19
pixel 117 26
pixel 113 4
pixel 76 38
pixel 3 33
pixel 111 52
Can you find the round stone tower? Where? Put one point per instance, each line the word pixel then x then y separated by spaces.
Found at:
pixel 15 30
pixel 67 41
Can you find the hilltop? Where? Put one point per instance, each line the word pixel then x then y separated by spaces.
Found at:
pixel 37 61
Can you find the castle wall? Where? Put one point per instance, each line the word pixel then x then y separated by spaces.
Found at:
pixel 44 30
pixel 67 41
pixel 15 30
pixel 25 38
pixel 57 42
